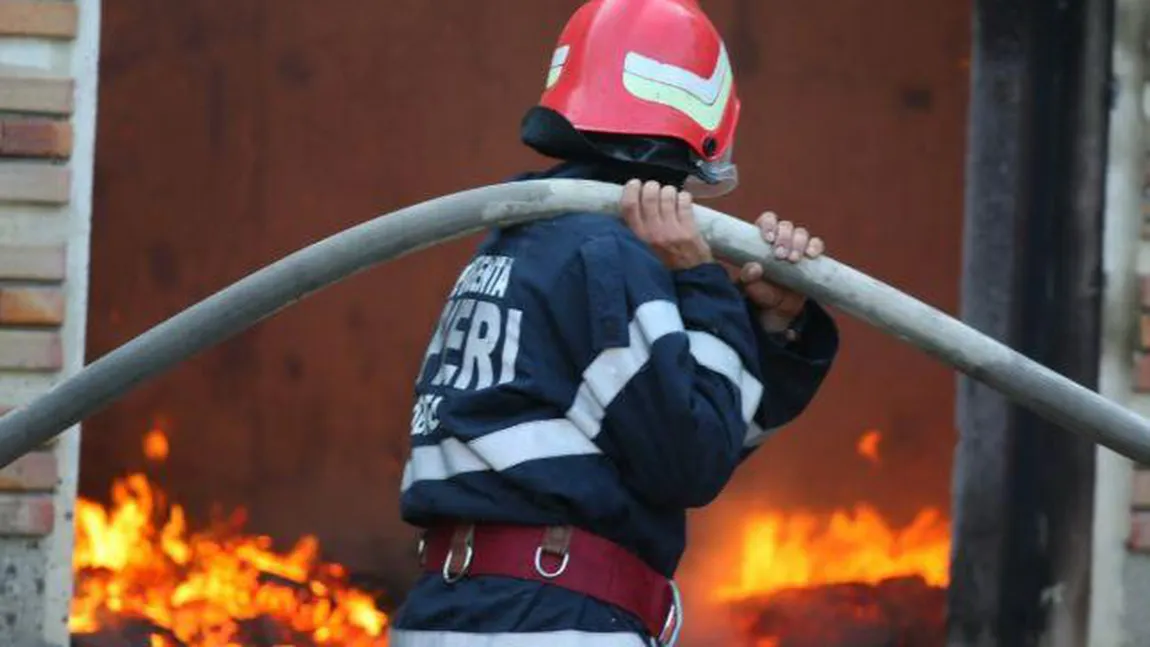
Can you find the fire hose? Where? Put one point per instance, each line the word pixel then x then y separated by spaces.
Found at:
pixel 269 290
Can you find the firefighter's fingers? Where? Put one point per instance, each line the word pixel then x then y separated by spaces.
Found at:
pixel 649 203
pixel 630 208
pixel 686 208
pixel 657 224
pixel 791 303
pixel 799 242
pixel 783 239
pixel 668 205
pixel 750 273
pixel 765 296
pixel 768 224
pixel 816 247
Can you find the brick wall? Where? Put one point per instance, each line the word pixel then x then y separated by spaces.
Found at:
pixel 48 52
pixel 1139 539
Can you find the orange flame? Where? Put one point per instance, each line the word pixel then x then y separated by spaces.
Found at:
pixel 137 559
pixel 868 446
pixel 156 446
pixel 784 551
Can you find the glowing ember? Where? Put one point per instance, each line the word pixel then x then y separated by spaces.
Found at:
pixel 136 559
pixel 868 446
pixel 156 445
pixel 786 551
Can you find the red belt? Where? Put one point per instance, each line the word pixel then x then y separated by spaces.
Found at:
pixel 558 555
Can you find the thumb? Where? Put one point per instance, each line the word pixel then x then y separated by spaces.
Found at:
pixel 764 295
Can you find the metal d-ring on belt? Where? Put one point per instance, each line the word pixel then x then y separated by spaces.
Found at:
pixel 560 556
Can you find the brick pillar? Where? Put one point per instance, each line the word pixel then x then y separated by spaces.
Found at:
pixel 1139 539
pixel 48 64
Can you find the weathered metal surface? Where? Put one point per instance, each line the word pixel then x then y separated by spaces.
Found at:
pixel 1023 499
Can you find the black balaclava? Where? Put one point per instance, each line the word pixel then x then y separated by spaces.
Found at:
pixel 604 157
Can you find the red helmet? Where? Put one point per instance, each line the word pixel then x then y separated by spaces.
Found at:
pixel 648 68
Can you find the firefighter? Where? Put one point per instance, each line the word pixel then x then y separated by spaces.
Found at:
pixel 593 378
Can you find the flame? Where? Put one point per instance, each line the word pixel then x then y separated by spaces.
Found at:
pixel 868 446
pixel 137 559
pixel 789 576
pixel 156 446
pixel 786 551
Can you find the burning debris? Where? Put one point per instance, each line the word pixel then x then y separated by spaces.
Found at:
pixel 900 612
pixel 142 578
pixel 847 580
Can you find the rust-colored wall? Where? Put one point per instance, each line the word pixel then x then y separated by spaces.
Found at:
pixel 231 134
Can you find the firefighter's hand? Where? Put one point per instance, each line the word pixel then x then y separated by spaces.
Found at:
pixel 778 306
pixel 664 218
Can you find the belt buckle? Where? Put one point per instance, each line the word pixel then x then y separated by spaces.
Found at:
pixel 674 621
pixel 556 542
pixel 463 538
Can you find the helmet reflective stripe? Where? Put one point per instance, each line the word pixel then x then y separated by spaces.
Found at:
pixel 703 100
pixel 705 90
pixel 558 60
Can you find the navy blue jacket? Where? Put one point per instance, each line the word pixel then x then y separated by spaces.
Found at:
pixel 573 379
